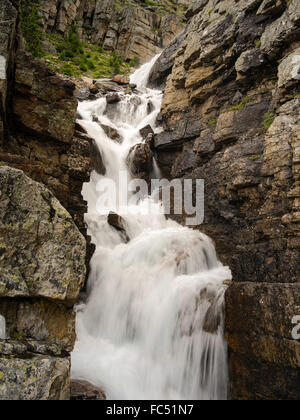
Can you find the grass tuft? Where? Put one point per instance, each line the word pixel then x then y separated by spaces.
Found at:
pixel 268 120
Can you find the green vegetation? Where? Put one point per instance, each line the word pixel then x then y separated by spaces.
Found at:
pixel 212 122
pixel 257 43
pixel 241 105
pixel 268 120
pixel 115 62
pixel 76 58
pixel 254 158
pixel 135 62
pixel 73 58
pixel 18 336
pixel 32 27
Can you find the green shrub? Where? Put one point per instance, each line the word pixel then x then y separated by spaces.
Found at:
pixel 254 158
pixel 77 58
pixel 91 65
pixel 115 62
pixel 67 69
pixel 257 43
pixel 70 46
pixel 32 27
pixel 83 67
pixel 268 120
pixel 135 62
pixel 241 105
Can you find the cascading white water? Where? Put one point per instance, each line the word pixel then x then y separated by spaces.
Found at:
pixel 152 327
pixel 2 328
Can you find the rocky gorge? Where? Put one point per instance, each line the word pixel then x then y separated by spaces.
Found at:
pixel 230 116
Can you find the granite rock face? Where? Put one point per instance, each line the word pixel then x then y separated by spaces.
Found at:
pixel 43 256
pixel 231 117
pixel 42 252
pixel 37 378
pixel 41 138
pixel 42 270
pixel 163 66
pixel 43 102
pixel 8 23
pixel 131 28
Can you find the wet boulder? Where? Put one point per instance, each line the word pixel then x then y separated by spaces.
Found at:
pixel 135 101
pixel 119 224
pixel 96 159
pixel 113 98
pixel 150 141
pixel 145 131
pixel 94 90
pixel 84 391
pixel 112 133
pixel 121 80
pixel 140 160
pixel 107 86
pixel 150 107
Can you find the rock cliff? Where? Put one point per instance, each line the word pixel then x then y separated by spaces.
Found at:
pixel 43 258
pixel 231 117
pixel 42 270
pixel 134 28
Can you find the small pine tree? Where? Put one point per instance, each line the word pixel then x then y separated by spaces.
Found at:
pixel 32 26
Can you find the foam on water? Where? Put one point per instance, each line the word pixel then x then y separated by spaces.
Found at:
pixel 2 328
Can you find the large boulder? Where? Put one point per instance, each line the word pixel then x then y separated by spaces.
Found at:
pixel 42 270
pixel 145 131
pixel 84 391
pixel 37 378
pixel 140 160
pixel 112 133
pixel 42 252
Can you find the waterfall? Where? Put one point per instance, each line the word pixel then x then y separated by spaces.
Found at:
pixel 2 328
pixel 152 326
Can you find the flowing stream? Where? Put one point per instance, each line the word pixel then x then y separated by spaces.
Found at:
pixel 2 328
pixel 152 327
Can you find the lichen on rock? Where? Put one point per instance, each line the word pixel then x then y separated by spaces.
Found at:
pixel 36 378
pixel 42 270
pixel 42 251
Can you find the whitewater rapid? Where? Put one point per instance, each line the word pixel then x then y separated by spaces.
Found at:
pixel 152 327
pixel 2 328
